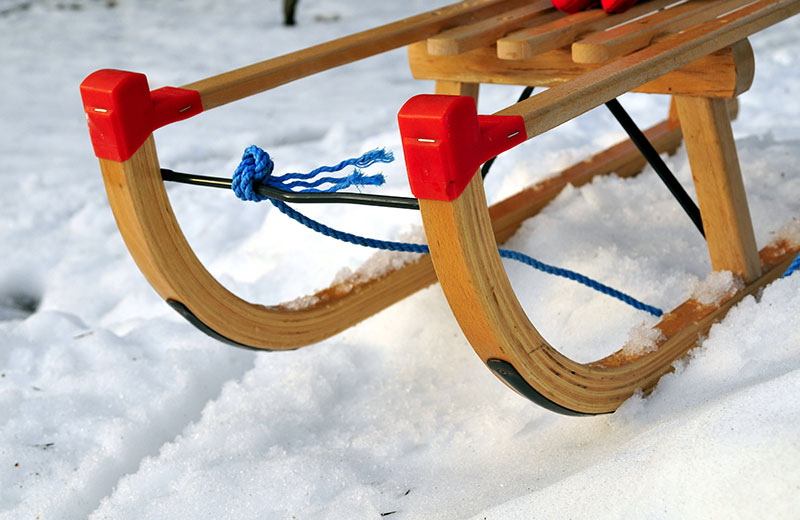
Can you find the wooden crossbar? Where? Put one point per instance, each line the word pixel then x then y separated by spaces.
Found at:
pixel 252 79
pixel 722 74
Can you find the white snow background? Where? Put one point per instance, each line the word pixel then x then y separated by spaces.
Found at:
pixel 114 407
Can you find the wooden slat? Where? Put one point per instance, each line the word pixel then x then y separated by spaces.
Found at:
pixel 246 81
pixel 564 102
pixel 725 73
pixel 719 186
pixel 604 46
pixel 467 37
pixel 527 43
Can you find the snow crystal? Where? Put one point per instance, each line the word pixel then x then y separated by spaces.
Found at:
pixel 383 262
pixel 790 231
pixel 716 288
pixel 643 338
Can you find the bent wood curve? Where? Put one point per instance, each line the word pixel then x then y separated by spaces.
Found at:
pixel 153 236
pixel 474 281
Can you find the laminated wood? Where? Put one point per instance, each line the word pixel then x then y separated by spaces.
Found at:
pixel 704 63
pixel 154 238
pixel 474 281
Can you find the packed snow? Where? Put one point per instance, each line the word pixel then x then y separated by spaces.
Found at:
pixel 115 407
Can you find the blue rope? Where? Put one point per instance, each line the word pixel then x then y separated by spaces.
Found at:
pixel 581 279
pixel 795 265
pixel 256 167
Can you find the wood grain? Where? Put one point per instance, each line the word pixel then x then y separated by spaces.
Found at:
pixel 719 186
pixel 725 73
pixel 484 32
pixel 603 46
pixel 527 43
pixel 561 103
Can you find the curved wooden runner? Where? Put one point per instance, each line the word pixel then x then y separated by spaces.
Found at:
pixel 463 234
pixel 474 281
pixel 154 238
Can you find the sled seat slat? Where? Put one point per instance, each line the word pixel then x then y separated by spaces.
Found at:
pixel 558 105
pixel 485 32
pixel 603 46
pixel 527 43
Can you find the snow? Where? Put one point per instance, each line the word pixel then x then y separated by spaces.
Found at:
pixel 717 286
pixel 117 408
pixel 643 338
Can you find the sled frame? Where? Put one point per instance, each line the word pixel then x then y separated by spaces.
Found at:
pixel 704 67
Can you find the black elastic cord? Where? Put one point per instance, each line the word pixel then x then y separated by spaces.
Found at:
pixel 652 156
pixel 526 93
pixel 296 198
pixel 365 199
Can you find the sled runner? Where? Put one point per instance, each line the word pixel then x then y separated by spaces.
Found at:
pixel 695 51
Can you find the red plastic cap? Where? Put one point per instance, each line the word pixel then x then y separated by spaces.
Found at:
pixel 610 6
pixel 122 112
pixel 574 6
pixel 618 6
pixel 445 141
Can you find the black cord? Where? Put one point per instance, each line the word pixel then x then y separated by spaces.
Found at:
pixel 293 197
pixel 652 156
pixel 317 198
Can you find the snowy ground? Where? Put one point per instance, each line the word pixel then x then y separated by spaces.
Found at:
pixel 113 407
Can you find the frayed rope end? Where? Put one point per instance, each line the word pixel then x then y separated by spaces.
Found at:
pixel 256 168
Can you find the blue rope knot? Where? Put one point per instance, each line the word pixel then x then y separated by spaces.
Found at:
pixel 257 166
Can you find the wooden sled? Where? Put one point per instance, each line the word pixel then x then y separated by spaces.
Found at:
pixel 696 52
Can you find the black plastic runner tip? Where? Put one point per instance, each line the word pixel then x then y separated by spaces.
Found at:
pixel 194 320
pixel 509 374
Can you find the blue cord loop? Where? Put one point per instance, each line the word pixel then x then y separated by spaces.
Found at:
pixel 256 168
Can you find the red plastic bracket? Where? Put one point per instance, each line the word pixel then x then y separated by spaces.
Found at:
pixel 445 141
pixel 122 111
